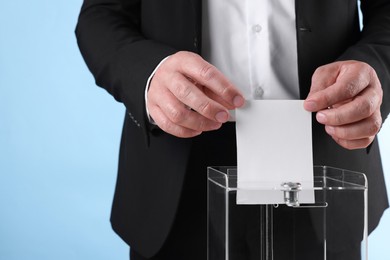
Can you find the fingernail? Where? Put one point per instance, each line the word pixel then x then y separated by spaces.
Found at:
pixel 238 101
pixel 321 117
pixel 222 117
pixel 311 105
pixel 329 130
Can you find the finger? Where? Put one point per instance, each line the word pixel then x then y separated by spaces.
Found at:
pixel 363 129
pixel 355 144
pixel 207 75
pixel 323 77
pixel 189 94
pixel 343 89
pixel 168 126
pixel 217 98
pixel 362 106
pixel 352 78
pixel 180 114
pixel 212 95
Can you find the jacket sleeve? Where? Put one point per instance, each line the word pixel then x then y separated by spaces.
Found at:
pixel 374 45
pixel 120 58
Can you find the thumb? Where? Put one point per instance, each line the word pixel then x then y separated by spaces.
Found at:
pixel 322 78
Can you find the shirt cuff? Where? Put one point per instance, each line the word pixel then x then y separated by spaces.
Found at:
pixel 147 89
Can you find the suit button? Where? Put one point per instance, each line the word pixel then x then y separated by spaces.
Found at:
pixel 196 42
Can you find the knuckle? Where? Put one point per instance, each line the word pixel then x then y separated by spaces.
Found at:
pixel 347 145
pixel 373 77
pixel 378 89
pixel 177 116
pixel 181 54
pixel 370 140
pixel 352 88
pixel 203 125
pixel 377 96
pixel 204 108
pixel 365 143
pixel 354 144
pixel 317 74
pixel 366 107
pixel 380 92
pixel 207 72
pixel 341 133
pixel 375 125
pixel 200 126
pixel 344 143
pixel 182 91
pixel 182 133
pixel 319 70
pixel 327 98
pixel 360 78
pixel 339 118
pixel 224 91
pixel 165 124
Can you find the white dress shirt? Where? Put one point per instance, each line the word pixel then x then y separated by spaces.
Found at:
pixel 253 42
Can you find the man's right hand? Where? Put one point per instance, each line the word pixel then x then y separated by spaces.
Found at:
pixel 188 96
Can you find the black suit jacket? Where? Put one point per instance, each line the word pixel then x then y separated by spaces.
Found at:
pixel 122 41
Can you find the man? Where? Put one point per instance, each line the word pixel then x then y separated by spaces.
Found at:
pixel 181 127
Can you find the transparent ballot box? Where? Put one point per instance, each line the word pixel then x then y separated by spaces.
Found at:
pixel 334 224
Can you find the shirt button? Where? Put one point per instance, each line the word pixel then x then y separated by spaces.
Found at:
pixel 257 28
pixel 258 93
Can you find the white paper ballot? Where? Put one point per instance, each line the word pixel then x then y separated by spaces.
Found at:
pixel 274 146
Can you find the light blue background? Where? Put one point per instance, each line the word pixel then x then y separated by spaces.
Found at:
pixel 59 139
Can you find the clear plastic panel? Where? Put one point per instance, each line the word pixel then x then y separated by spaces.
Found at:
pixel 337 220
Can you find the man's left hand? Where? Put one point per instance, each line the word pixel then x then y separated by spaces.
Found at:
pixel 347 96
